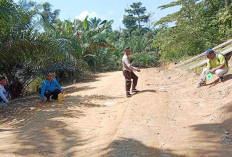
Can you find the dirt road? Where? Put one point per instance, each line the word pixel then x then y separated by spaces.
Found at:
pixel 169 117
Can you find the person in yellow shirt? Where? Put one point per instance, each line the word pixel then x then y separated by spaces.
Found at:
pixel 216 64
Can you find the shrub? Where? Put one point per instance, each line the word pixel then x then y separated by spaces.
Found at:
pixel 145 59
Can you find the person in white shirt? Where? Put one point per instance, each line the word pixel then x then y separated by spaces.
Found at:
pixel 128 73
pixel 3 93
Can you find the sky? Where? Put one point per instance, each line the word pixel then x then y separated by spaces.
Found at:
pixel 106 9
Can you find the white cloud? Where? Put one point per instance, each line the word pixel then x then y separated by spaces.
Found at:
pixel 83 15
pixel 111 12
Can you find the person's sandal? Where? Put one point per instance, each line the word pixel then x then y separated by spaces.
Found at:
pixel 202 83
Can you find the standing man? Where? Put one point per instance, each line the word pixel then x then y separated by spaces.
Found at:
pixel 50 87
pixel 3 93
pixel 128 73
pixel 216 64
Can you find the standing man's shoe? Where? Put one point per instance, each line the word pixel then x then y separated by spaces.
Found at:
pixel 128 95
pixel 135 90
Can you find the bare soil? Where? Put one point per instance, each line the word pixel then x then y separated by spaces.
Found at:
pixel 169 117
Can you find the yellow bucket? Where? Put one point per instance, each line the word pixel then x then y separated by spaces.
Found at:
pixel 61 97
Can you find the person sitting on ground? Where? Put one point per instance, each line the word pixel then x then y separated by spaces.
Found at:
pixel 50 87
pixel 3 93
pixel 216 64
pixel 128 73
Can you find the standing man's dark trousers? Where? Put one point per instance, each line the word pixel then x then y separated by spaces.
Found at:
pixel 128 76
pixel 54 94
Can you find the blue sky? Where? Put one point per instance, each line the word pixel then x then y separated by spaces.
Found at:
pixel 105 9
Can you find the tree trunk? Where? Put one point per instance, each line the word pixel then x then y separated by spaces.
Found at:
pixel 139 24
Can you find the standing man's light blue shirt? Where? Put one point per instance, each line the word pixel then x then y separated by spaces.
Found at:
pixel 3 94
pixel 50 86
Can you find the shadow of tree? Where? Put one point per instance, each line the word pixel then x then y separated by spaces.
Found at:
pixel 28 106
pixel 228 112
pixel 127 147
pixel 40 130
pixel 74 89
pixel 39 127
pixel 216 136
pixel 216 142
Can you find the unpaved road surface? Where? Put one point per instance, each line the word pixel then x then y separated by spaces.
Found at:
pixel 169 117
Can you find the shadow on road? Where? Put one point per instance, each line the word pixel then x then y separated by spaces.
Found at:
pixel 227 77
pixel 39 127
pixel 145 91
pixel 148 91
pixel 132 148
pixel 73 89
pixel 217 137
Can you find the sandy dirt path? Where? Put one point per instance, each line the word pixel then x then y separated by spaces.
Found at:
pixel 169 117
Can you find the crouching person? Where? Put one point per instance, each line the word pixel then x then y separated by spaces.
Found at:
pixel 216 64
pixel 50 88
pixel 3 93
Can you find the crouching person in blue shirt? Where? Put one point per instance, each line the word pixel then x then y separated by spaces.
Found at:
pixel 3 93
pixel 50 87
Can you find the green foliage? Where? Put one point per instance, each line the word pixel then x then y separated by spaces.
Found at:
pixel 35 84
pixel 94 22
pixel 145 60
pixel 136 15
pixel 199 25
pixel 48 16
pixel 22 46
pixel 85 23
pixel 25 52
pixel 34 41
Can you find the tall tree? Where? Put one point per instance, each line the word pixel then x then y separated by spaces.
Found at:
pixel 136 15
pixel 49 17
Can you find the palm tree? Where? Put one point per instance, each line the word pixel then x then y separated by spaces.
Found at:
pixel 94 22
pixel 23 49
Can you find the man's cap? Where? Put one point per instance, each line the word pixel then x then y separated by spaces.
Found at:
pixel 127 48
pixel 209 51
